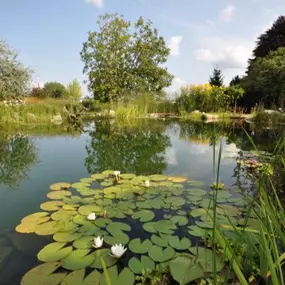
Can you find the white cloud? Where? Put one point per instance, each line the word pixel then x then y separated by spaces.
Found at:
pixel 227 14
pixel 174 45
pixel 98 3
pixel 226 53
pixel 179 80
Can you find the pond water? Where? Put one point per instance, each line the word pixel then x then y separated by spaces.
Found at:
pixel 33 159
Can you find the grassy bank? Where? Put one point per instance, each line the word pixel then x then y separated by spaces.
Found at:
pixel 34 111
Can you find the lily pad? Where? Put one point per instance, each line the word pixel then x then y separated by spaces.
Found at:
pixel 81 220
pixel 35 218
pixel 175 201
pixel 184 270
pixel 63 216
pixel 196 192
pixel 143 215
pixel 196 183
pixel 118 226
pixel 85 210
pixel 177 179
pixel 74 278
pixel 66 236
pixel 158 177
pixel 144 204
pixel 107 183
pixel 77 259
pixel 205 258
pixel 149 227
pixel 83 242
pixel 98 176
pixel 58 195
pixel 113 189
pixel 105 254
pixel 80 185
pixel 92 279
pixel 59 186
pixel 180 220
pixel 198 212
pixel 48 228
pixel 165 226
pixel 176 242
pixel 42 274
pixel 158 254
pixel 197 231
pixel 128 176
pixel 54 252
pixel 159 241
pixel 139 247
pixel 137 266
pixel 126 277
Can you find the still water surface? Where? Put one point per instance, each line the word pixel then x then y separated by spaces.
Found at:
pixel 33 159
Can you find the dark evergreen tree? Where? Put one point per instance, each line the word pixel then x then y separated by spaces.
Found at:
pixel 235 81
pixel 217 78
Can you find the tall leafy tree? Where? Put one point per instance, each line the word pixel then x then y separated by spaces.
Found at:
pixel 14 76
pixel 123 57
pixel 272 39
pixel 235 81
pixel 74 90
pixel 216 79
pixel 266 78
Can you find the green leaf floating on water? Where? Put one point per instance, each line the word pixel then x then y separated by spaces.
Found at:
pixel 48 228
pixel 184 270
pixel 59 186
pixel 198 232
pixel 51 205
pixel 118 236
pixel 77 259
pixel 58 195
pixel 196 192
pixel 139 247
pixel 149 227
pixel 158 254
pixel 175 201
pixel 102 223
pixel 205 258
pixel 198 212
pixel 165 226
pixel 107 183
pixel 158 177
pixel 54 252
pixel 87 209
pixel 92 279
pixel 63 216
pixel 98 176
pixel 126 277
pixel 176 242
pixel 42 275
pixel 74 278
pixel 143 205
pixel 143 215
pixel 159 241
pixel 66 236
pixel 137 265
pixel 84 242
pixel 118 226
pixel 105 254
pixel 180 220
pixel 196 183
pixel 81 220
pixel 128 176
pixel 112 189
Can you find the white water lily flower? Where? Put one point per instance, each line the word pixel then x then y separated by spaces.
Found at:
pixel 118 250
pixel 91 217
pixel 98 242
pixel 117 173
pixel 147 183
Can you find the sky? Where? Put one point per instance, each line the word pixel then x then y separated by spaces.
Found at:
pixel 201 34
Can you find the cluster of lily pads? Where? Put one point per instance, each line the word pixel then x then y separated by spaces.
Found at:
pixel 146 221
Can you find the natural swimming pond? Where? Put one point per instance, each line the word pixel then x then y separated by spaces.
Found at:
pixel 52 180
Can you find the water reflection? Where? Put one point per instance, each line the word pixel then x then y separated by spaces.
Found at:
pixel 138 148
pixel 17 155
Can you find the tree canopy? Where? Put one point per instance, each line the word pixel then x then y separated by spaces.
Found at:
pixel 74 90
pixel 123 57
pixel 266 78
pixel 216 79
pixel 14 76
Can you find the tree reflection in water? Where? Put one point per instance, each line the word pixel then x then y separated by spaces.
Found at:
pixel 138 148
pixel 17 155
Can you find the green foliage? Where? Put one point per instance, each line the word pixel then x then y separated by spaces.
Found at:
pixel 235 92
pixel 14 76
pixel 235 81
pixel 53 90
pixel 217 78
pixel 266 78
pixel 73 90
pixel 124 57
pixel 271 40
pixel 202 97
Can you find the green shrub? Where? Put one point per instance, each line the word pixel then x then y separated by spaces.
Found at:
pixel 53 90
